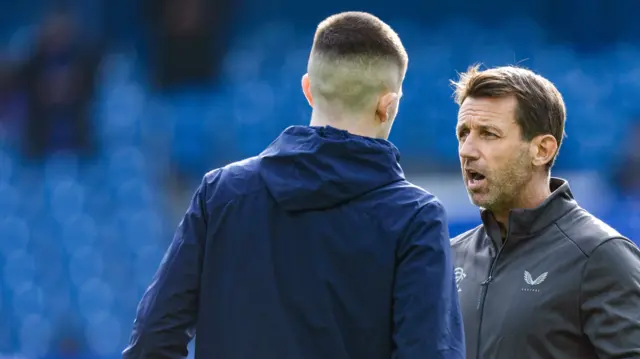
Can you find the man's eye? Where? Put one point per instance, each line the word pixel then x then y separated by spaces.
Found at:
pixel 489 134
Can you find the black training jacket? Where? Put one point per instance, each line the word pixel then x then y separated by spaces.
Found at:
pixel 563 285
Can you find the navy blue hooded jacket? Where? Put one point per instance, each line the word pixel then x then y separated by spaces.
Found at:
pixel 318 248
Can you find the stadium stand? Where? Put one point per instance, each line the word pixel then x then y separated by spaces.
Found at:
pixel 79 243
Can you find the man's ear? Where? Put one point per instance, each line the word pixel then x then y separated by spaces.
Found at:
pixel 387 105
pixel 306 89
pixel 544 149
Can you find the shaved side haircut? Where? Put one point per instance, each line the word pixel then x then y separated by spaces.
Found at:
pixel 355 58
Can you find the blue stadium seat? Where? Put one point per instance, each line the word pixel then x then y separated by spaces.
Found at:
pixel 242 64
pixel 157 123
pixel 61 166
pixel 6 331
pixel 494 53
pixel 9 200
pixel 78 231
pixel 51 269
pixel 120 116
pixel 58 300
pixel 85 264
pixel 15 235
pixel 95 299
pixel 134 194
pixel 553 61
pixel 140 229
pixel 119 274
pixel 28 299
pixel 104 335
pixel 19 270
pixel 523 34
pixel 66 199
pixel 35 336
pixel 124 164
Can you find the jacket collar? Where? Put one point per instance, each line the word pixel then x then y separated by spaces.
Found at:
pixel 528 222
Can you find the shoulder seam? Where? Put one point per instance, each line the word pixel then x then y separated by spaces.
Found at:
pixel 564 234
pixel 432 200
pixel 219 172
pixel 467 234
pixel 587 255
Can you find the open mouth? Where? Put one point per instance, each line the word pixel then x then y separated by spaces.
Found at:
pixel 474 178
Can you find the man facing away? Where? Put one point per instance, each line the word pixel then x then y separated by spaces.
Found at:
pixel 317 248
pixel 541 278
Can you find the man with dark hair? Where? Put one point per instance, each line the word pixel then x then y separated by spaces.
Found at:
pixel 318 247
pixel 541 277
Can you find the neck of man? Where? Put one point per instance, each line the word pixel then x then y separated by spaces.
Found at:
pixel 355 125
pixel 531 196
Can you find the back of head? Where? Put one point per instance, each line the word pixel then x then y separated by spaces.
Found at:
pixel 354 60
pixel 355 72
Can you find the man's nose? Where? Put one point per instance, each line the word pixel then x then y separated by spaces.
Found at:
pixel 467 149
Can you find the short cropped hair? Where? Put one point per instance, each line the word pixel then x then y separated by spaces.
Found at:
pixel 355 57
pixel 541 109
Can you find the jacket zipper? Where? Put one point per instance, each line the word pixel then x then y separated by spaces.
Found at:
pixel 483 294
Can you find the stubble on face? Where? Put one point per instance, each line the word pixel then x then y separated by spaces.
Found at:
pixel 506 184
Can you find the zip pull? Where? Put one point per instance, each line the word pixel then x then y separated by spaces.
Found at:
pixel 486 282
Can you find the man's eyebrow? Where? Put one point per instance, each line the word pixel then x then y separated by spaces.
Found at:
pixel 483 127
pixel 460 127
pixel 489 127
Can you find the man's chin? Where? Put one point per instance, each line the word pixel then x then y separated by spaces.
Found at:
pixel 478 199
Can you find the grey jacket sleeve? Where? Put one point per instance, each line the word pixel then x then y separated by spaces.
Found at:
pixel 610 299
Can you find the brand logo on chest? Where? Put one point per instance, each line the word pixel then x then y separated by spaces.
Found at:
pixel 533 283
pixel 459 272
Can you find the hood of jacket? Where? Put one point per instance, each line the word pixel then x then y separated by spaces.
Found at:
pixel 313 168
